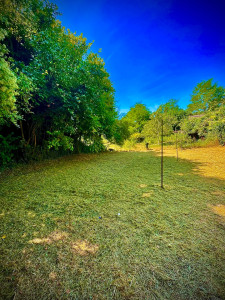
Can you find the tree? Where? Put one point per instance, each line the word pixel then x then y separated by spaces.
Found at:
pixel 8 91
pixel 120 131
pixel 216 124
pixel 57 88
pixel 206 96
pixel 78 102
pixel 137 117
pixel 196 127
pixel 170 113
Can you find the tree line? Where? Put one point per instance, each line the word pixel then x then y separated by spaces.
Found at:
pixel 204 119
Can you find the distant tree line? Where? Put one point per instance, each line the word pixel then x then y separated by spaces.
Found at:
pixel 204 119
pixel 55 94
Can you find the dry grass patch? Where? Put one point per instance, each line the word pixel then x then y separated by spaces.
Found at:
pixel 219 209
pixel 218 193
pixel 40 241
pixel 53 237
pixel 84 248
pixel 143 185
pixel 147 195
pixel 211 159
pixel 31 214
pixel 53 276
pixel 58 235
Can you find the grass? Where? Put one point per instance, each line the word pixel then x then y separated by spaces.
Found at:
pixel 100 227
pixel 211 160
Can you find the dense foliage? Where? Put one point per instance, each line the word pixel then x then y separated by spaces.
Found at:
pixel 54 91
pixel 131 125
pixel 206 97
pixel 203 120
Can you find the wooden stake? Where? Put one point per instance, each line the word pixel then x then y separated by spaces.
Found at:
pixel 162 155
pixel 176 145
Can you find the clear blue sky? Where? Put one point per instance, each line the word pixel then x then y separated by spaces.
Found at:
pixel 154 50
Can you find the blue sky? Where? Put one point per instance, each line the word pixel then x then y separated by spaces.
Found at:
pixel 153 50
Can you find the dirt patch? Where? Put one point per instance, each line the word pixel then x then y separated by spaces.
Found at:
pixel 143 185
pixel 219 209
pixel 53 237
pixel 84 248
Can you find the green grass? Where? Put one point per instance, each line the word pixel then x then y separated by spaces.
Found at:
pixel 166 246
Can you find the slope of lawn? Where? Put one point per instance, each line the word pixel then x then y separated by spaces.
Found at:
pixel 100 227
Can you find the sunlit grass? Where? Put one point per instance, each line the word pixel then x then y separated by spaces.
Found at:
pixel 100 227
pixel 210 160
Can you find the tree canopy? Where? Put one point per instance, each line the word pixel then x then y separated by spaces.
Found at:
pixel 170 113
pixel 137 117
pixel 206 96
pixel 55 92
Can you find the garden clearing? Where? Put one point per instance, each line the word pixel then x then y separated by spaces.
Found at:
pixel 99 226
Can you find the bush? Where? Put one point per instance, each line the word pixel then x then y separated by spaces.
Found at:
pixel 60 140
pixel 7 149
pixel 129 144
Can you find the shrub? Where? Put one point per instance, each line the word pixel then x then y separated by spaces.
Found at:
pixel 7 149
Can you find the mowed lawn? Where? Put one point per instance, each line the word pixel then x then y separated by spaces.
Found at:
pixel 99 226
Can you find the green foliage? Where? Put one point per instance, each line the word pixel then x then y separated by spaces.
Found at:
pixel 8 88
pixel 170 114
pixel 8 146
pixel 81 98
pixel 220 131
pixel 137 117
pixel 129 144
pixel 54 85
pixel 152 130
pixel 120 131
pixel 183 140
pixel 216 121
pixel 197 126
pixel 96 146
pixel 24 94
pixel 208 126
pixel 206 96
pixel 59 140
